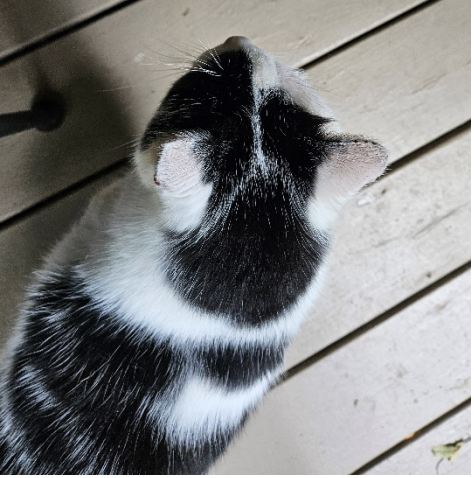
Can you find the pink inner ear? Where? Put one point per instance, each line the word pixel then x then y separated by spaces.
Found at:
pixel 178 171
pixel 351 165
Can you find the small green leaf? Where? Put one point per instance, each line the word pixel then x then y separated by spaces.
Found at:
pixel 450 451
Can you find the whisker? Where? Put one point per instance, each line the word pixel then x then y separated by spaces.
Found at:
pixel 173 58
pixel 167 76
pixel 311 87
pixel 188 52
pixel 209 72
pixel 175 65
pixel 218 58
pixel 215 59
pixel 193 48
pixel 141 83
pixel 206 49
pixel 131 144
pixel 203 62
pixel 174 47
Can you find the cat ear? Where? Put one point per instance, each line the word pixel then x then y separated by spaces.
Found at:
pixel 350 165
pixel 173 169
pixel 179 180
pixel 178 172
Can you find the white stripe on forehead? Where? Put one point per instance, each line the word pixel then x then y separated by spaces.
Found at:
pixel 265 72
pixel 265 78
pixel 268 74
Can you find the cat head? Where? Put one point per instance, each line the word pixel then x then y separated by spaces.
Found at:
pixel 241 135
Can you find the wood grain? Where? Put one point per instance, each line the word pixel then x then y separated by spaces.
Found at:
pixel 23 22
pixel 416 458
pixel 406 85
pixel 110 76
pixel 364 398
pixel 397 237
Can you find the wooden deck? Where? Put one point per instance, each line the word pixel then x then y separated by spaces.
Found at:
pixel 380 372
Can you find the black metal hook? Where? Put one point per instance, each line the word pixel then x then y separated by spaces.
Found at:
pixel 46 114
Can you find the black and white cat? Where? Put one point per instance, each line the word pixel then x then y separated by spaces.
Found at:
pixel 159 322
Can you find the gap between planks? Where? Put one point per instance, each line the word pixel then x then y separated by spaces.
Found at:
pixel 350 43
pixel 408 441
pixel 343 341
pixel 33 45
pixel 50 38
pixel 61 194
pixel 428 148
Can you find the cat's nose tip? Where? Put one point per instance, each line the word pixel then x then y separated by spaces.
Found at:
pixel 238 42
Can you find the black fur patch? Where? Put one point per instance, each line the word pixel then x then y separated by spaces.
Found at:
pixel 201 101
pixel 260 254
pixel 250 270
pixel 240 366
pixel 82 383
pixel 293 138
pixel 78 388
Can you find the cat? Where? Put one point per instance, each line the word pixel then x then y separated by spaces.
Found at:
pixel 160 320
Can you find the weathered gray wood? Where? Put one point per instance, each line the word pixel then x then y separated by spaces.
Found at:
pixel 112 85
pixel 398 236
pixel 367 396
pixel 416 458
pixel 23 22
pixel 402 85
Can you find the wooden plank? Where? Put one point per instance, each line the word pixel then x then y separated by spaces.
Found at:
pixel 23 22
pixel 401 86
pixel 416 458
pixel 367 396
pixel 112 86
pixel 397 237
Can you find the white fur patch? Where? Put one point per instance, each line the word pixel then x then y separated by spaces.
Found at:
pixel 296 84
pixel 265 73
pixel 323 212
pixel 205 408
pixel 136 289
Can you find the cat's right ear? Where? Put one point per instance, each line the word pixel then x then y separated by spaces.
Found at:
pixel 350 164
pixel 173 169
